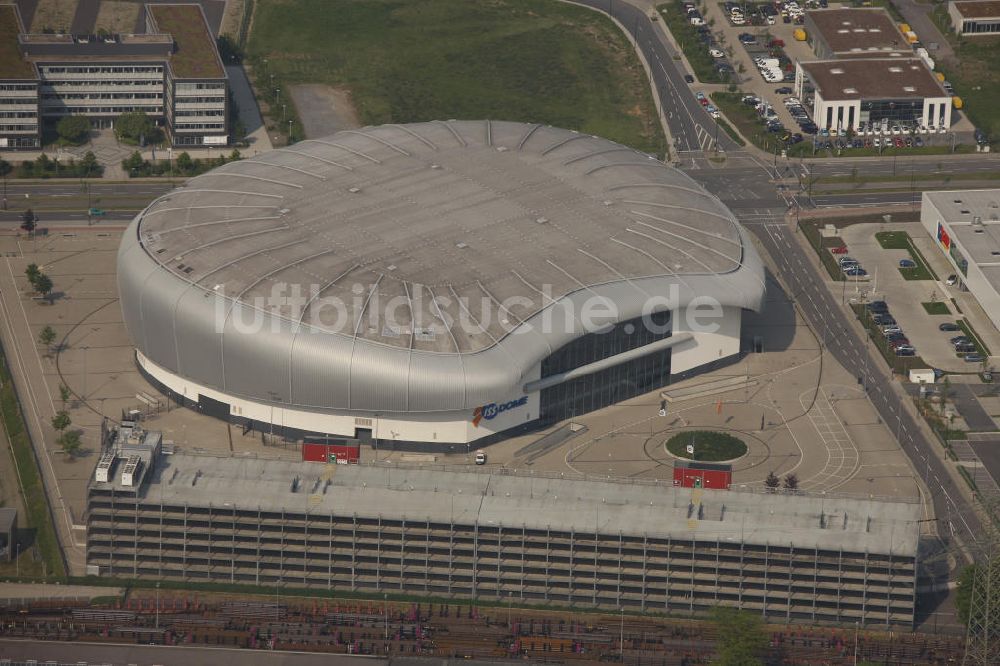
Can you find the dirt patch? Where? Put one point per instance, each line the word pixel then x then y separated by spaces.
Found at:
pixel 117 16
pixel 324 109
pixel 231 17
pixel 54 15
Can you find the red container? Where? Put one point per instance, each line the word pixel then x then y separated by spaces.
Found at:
pixel 689 474
pixel 341 453
pixel 314 452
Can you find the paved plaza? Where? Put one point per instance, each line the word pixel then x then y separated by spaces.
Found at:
pixel 797 410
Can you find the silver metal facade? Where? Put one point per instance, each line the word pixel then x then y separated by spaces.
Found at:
pixel 486 211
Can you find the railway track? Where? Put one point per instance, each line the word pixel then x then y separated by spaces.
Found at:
pixel 398 630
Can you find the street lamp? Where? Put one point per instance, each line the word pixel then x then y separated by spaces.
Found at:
pixel 283 113
pixel 289 130
pixel 157 604
pixel 385 613
pixel 621 634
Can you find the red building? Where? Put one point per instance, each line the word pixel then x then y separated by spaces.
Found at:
pixel 691 474
pixel 330 451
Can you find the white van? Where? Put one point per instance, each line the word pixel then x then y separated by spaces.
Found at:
pixel 480 458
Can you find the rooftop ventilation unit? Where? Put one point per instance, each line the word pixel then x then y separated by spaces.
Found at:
pixel 909 89
pixel 896 70
pixel 130 473
pixel 103 473
pixel 850 91
pixel 836 70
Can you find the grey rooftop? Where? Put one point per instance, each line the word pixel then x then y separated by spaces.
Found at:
pixel 471 213
pixel 974 219
pixel 517 500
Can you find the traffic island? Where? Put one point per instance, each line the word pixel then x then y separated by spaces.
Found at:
pixel 706 446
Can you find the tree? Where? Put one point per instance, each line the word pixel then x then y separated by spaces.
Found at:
pixel 5 167
pixel 61 421
pixel 133 161
pixel 742 641
pixel 70 442
pixel 791 482
pixel 184 162
pixel 89 165
pixel 64 394
pixel 32 273
pixel 74 129
pixel 47 336
pixel 43 285
pixel 772 481
pixel 28 221
pixel 134 126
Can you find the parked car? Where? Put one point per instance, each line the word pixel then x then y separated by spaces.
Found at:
pixel 878 306
pixel 855 271
pixel 959 339
pixel 965 349
pixel 716 53
pixel 973 358
pixel 952 280
pixel 884 320
pixel 688 78
pixel 906 350
pixel 784 90
pixel 949 326
pixel 907 263
pixel 480 458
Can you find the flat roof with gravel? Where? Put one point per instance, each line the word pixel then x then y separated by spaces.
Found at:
pixel 857 29
pixel 873 78
pixel 13 64
pixel 195 55
pixel 535 502
pixel 977 9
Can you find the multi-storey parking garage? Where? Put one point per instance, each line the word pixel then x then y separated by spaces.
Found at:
pixel 436 283
pixel 644 546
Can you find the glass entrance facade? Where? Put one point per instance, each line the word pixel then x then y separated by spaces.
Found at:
pixel 612 385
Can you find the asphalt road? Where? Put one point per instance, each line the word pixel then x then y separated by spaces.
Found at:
pixel 687 122
pixel 860 358
pixel 690 125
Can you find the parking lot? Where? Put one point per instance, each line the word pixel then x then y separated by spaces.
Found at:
pixel 905 298
pixel 722 30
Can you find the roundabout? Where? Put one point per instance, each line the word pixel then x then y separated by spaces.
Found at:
pixel 707 446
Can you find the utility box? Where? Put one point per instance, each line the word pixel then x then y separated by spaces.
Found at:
pixel 691 474
pixel 921 376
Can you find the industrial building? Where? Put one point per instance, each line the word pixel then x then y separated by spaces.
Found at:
pixel 975 18
pixel 172 73
pixel 880 92
pixel 433 284
pixel 965 225
pixel 644 545
pixel 854 32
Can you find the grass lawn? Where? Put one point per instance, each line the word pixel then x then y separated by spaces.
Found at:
pixel 900 240
pixel 519 60
pixel 702 64
pixel 709 445
pixel 936 308
pixel 822 247
pixel 39 519
pixel 899 364
pixel 972 335
pixel 975 74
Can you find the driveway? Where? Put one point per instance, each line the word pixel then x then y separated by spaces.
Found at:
pixel 918 16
